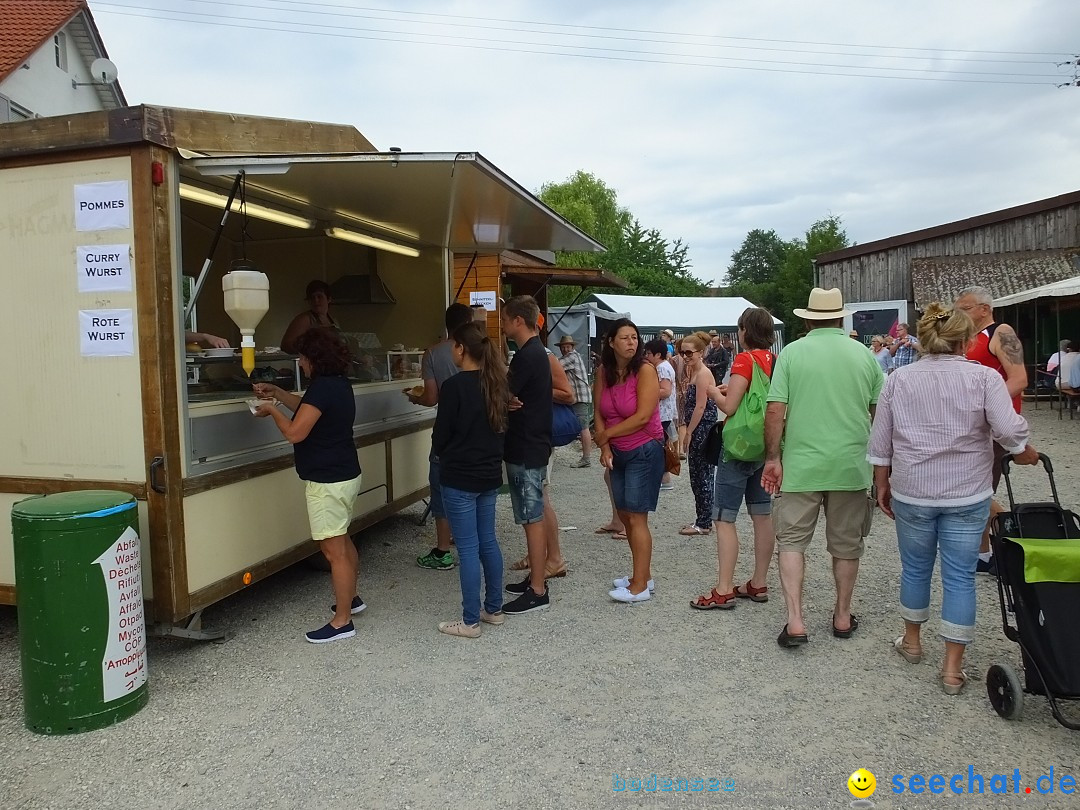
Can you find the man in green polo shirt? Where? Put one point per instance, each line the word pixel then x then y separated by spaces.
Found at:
pixel 821 400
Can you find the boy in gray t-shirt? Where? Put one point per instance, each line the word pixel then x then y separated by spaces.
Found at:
pixel 436 368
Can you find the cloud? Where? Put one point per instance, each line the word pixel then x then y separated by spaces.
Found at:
pixel 703 153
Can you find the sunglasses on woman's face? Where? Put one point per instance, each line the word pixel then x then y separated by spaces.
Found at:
pixel 688 352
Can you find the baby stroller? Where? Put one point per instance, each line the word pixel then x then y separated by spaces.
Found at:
pixel 1037 548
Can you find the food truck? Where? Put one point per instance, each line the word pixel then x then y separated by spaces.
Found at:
pixel 119 229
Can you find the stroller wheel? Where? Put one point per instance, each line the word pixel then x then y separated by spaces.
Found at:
pixel 1004 690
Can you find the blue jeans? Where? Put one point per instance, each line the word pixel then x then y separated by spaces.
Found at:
pixel 954 531
pixel 435 502
pixel 472 521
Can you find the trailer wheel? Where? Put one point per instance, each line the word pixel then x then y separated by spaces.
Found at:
pixel 1004 690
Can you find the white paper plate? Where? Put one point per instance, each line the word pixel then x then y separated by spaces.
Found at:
pixel 219 352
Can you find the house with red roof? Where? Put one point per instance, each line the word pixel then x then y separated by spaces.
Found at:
pixel 46 50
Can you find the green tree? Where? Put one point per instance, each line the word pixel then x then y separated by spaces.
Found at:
pixel 778 275
pixel 642 256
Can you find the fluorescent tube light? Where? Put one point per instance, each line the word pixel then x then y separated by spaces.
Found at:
pixel 372 241
pixel 212 198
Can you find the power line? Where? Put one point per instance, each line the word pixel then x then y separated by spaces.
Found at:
pixel 344 11
pixel 536 48
pixel 668 33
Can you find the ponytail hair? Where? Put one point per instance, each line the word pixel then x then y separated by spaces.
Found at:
pixel 944 330
pixel 473 338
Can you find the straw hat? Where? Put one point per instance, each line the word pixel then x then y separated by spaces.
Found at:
pixel 667 332
pixel 566 339
pixel 824 305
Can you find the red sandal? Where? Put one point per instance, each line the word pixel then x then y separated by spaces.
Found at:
pixel 714 601
pixel 748 591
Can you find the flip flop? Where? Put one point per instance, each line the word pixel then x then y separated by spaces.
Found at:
pixel 604 530
pixel 692 531
pixel 786 639
pixel 846 633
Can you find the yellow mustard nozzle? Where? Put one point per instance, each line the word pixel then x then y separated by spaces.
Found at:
pixel 247 354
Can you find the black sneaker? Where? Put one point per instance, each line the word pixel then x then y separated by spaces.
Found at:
pixel 518 587
pixel 527 602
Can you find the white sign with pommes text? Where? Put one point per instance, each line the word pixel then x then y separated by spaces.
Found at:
pixel 483 299
pixel 104 268
pixel 106 332
pixel 102 206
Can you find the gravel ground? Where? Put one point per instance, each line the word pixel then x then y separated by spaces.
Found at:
pixel 545 711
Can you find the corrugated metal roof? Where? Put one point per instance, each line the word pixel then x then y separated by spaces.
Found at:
pixel 942 278
pixel 949 228
pixel 25 25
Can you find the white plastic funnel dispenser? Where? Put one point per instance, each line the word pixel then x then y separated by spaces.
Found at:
pixel 247 300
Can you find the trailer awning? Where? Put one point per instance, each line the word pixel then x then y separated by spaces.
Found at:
pixel 457 201
pixel 566 276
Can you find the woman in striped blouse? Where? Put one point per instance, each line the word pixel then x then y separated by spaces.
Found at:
pixel 932 455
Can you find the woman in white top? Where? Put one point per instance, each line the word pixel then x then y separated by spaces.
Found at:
pixel 932 455
pixel 656 355
pixel 880 349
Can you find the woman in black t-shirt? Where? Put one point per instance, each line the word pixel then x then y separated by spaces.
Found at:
pixel 321 432
pixel 468 439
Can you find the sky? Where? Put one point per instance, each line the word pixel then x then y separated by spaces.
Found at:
pixel 709 119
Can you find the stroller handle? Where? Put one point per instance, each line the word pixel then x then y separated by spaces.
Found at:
pixel 1007 461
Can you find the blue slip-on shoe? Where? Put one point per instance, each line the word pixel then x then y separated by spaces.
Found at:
pixel 356 607
pixel 328 633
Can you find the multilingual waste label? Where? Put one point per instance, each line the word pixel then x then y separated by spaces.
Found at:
pixel 103 206
pixel 123 667
pixel 104 268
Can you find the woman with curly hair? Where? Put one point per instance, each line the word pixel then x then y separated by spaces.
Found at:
pixel 628 433
pixel 321 433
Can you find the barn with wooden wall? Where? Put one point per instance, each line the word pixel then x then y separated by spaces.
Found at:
pixel 1006 251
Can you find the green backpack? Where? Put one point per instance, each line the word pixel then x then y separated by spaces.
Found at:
pixel 744 430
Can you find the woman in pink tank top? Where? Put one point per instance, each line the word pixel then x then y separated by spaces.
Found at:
pixel 630 438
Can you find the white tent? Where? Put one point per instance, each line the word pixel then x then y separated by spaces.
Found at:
pixel 1059 289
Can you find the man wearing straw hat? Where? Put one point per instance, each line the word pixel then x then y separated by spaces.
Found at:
pixel 574 367
pixel 823 418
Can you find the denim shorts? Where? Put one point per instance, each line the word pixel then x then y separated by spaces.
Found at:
pixel 735 482
pixel 526 492
pixel 636 476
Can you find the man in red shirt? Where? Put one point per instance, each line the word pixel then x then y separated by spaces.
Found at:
pixel 995 346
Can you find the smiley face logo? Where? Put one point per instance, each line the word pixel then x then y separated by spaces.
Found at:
pixel 862 784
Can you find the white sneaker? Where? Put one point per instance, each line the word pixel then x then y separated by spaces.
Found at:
pixel 459 628
pixel 624 595
pixel 624 582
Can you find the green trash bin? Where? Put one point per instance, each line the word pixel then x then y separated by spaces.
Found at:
pixel 78 589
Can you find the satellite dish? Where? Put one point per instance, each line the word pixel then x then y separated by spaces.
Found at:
pixel 103 71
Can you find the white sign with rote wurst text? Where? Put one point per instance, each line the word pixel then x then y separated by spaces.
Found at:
pixel 104 268
pixel 102 206
pixel 106 332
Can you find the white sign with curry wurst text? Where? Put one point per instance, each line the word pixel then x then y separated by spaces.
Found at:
pixel 104 268
pixel 106 332
pixel 102 206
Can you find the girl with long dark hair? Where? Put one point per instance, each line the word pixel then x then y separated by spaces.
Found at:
pixel 628 432
pixel 468 440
